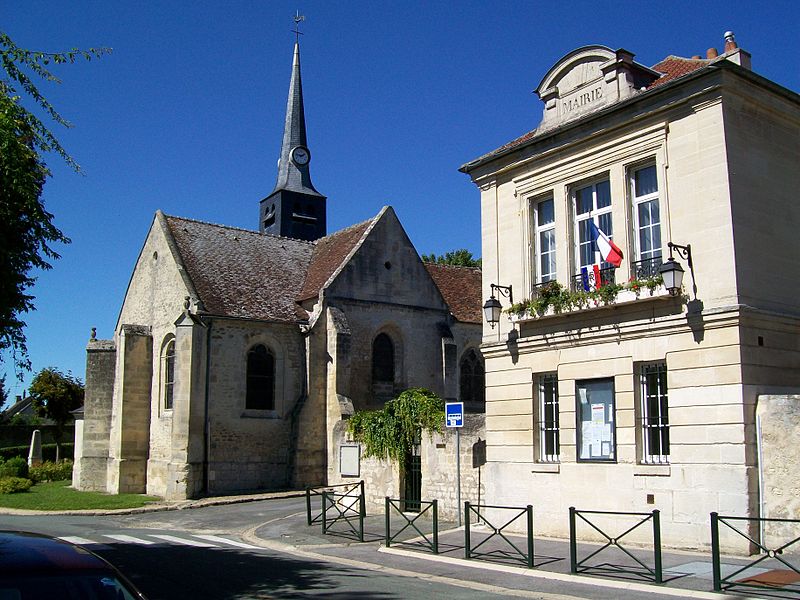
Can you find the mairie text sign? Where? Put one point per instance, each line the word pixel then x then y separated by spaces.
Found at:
pixel 454 414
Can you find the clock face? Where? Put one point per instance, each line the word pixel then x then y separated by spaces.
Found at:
pixel 301 155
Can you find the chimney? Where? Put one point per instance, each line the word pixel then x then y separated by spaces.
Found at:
pixel 712 53
pixel 730 42
pixel 735 54
pixel 696 57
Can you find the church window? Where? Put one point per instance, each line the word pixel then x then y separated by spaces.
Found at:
pixel 260 379
pixel 168 371
pixel 383 359
pixel 472 383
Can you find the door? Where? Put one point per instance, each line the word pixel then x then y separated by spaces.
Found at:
pixel 413 478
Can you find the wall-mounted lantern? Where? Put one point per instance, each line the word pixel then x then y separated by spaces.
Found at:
pixel 492 308
pixel 671 271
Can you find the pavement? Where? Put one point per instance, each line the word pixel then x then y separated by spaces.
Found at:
pixel 498 563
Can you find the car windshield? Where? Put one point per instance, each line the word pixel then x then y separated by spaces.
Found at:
pixel 64 587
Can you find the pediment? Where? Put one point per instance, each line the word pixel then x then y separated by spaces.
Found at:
pixel 576 69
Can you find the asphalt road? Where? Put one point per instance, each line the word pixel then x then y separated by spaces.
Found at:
pixel 154 551
pixel 211 553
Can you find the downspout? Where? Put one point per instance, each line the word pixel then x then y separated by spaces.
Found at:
pixel 206 420
pixel 296 410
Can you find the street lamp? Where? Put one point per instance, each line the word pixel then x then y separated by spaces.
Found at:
pixel 492 308
pixel 671 271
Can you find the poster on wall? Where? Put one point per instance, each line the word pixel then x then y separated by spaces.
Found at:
pixel 595 413
pixel 350 461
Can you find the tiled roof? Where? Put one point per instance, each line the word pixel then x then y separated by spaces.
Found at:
pixel 241 273
pixel 461 288
pixel 673 67
pixel 329 254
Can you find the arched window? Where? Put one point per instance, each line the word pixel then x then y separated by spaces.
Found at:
pixel 383 359
pixel 473 382
pixel 260 379
pixel 168 373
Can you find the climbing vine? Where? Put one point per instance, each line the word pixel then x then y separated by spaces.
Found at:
pixel 390 431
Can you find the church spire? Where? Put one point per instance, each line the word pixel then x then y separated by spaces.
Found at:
pixel 294 208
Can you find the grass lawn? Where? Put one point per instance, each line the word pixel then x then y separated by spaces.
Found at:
pixel 57 495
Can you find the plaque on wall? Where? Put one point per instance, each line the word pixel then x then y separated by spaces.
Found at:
pixel 350 461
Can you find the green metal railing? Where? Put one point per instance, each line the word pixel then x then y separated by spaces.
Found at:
pixel 347 509
pixel 509 551
pixel 313 492
pixel 576 566
pixel 396 504
pixel 778 554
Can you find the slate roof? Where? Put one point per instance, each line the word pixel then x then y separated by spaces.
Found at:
pixel 241 273
pixel 329 253
pixel 461 289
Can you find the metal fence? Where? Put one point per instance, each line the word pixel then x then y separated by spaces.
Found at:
pixel 655 573
pixel 314 492
pixel 785 581
pixel 346 510
pixel 396 505
pixel 507 549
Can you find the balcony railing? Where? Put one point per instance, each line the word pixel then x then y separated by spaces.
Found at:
pixel 647 268
pixel 606 277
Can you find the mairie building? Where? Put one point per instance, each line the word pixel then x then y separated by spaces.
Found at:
pixel 605 389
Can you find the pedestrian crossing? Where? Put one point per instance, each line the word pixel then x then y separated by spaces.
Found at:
pixel 101 541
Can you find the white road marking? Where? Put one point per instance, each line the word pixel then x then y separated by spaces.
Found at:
pixel 222 540
pixel 183 541
pixel 74 539
pixel 129 539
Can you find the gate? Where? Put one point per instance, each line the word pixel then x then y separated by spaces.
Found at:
pixel 413 478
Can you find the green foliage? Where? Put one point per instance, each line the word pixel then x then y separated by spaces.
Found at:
pixel 390 432
pixel 457 258
pixel 553 295
pixel 14 467
pixel 26 228
pixel 12 485
pixel 51 471
pixel 23 419
pixel 55 395
pixel 48 451
pixel 3 392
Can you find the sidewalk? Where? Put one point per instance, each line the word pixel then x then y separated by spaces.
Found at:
pixel 610 574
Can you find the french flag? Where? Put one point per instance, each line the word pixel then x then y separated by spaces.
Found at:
pixel 608 249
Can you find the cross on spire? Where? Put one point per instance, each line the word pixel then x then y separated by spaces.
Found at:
pixel 298 18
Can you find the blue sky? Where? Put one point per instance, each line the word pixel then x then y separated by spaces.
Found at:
pixel 186 115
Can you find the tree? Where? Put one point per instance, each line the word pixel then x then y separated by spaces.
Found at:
pixel 3 391
pixel 27 232
pixel 54 396
pixel 457 258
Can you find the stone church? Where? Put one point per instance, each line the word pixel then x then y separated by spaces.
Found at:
pixel 238 355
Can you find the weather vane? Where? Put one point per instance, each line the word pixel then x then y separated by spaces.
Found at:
pixel 298 18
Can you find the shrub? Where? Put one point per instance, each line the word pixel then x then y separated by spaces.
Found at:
pixel 14 467
pixel 51 471
pixel 11 485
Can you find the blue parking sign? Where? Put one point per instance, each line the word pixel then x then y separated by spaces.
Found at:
pixel 454 414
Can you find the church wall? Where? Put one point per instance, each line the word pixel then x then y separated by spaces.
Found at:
pixel 249 448
pixel 91 461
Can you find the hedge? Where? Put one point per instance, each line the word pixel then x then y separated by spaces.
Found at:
pixel 48 451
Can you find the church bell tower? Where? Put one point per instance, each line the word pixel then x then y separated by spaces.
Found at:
pixel 295 208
